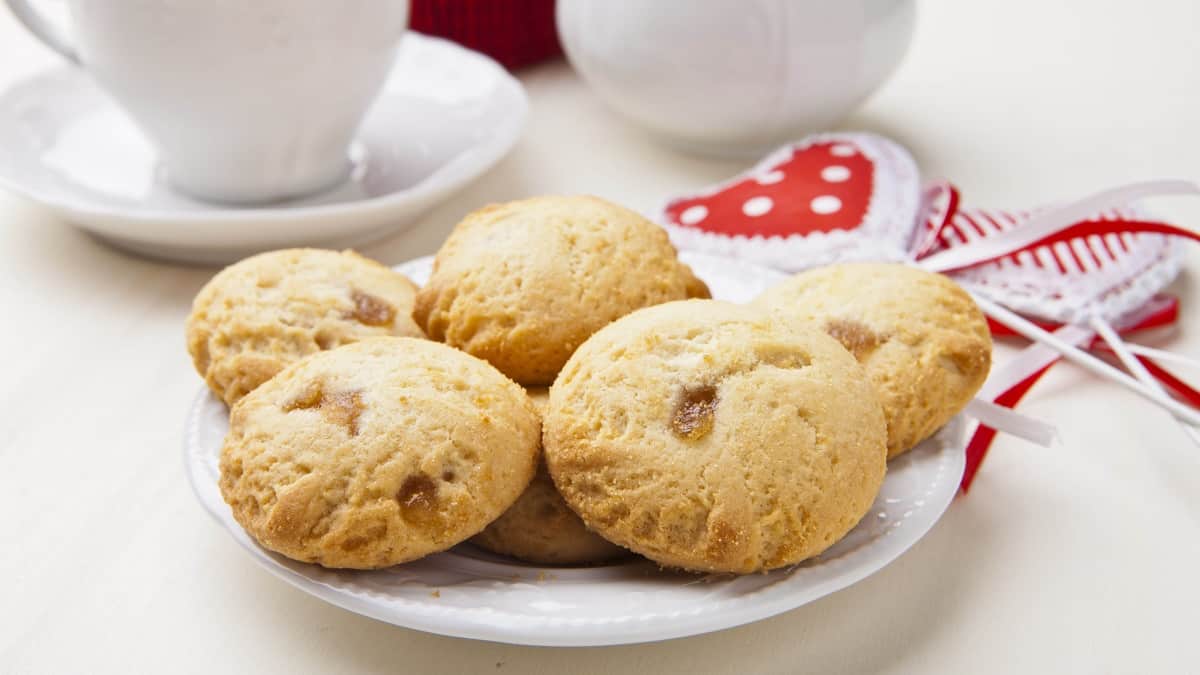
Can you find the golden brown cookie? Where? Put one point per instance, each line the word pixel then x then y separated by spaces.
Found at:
pixel 923 341
pixel 715 437
pixel 265 312
pixel 523 284
pixel 540 528
pixel 377 453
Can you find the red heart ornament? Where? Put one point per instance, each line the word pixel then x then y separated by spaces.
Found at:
pixel 826 198
pixel 826 186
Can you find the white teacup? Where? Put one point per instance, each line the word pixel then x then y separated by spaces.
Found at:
pixel 246 100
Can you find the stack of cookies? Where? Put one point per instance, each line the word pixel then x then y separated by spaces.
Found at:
pixel 373 423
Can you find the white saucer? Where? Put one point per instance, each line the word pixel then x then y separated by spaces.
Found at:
pixel 446 115
pixel 466 592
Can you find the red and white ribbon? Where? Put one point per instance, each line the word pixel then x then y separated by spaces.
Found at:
pixel 1072 222
pixel 1069 230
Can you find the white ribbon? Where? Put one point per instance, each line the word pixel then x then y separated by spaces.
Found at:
pixel 1012 422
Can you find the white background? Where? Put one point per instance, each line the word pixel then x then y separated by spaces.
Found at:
pixel 1080 558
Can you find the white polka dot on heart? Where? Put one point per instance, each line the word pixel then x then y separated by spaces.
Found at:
pixel 770 178
pixel 835 174
pixel 757 206
pixel 826 204
pixel 843 150
pixel 693 214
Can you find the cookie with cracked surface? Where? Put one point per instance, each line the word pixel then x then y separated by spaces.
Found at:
pixel 377 453
pixel 715 437
pixel 922 339
pixel 523 284
pixel 263 313
pixel 540 528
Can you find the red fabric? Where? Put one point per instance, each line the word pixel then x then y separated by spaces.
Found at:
pixel 514 32
pixel 791 210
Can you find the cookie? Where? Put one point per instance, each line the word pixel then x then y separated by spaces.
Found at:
pixel 540 528
pixel 715 437
pixel 377 453
pixel 923 341
pixel 523 284
pixel 265 312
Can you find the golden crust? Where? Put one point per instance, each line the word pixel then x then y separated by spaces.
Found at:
pixel 922 339
pixel 714 437
pixel 523 284
pixel 257 316
pixel 540 527
pixel 377 453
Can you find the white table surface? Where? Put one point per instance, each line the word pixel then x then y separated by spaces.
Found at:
pixel 1078 558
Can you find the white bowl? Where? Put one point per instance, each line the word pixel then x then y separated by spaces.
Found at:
pixel 735 77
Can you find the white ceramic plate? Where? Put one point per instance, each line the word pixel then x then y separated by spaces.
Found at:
pixel 445 116
pixel 466 592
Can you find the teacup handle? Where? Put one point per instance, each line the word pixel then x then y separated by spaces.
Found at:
pixel 46 31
